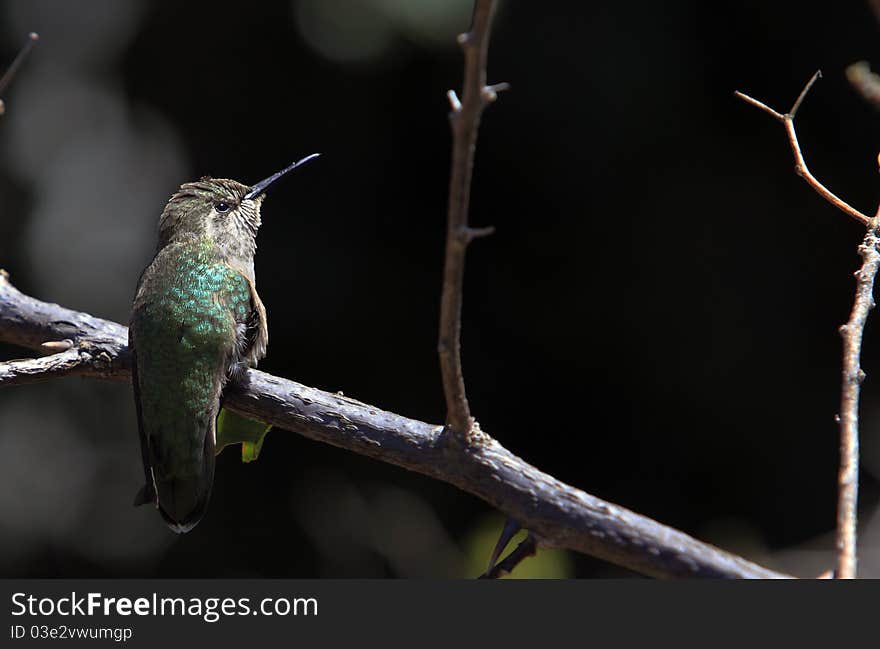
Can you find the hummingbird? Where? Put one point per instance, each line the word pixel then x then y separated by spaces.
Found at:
pixel 197 322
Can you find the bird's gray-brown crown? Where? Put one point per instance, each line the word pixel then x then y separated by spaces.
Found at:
pixel 209 207
pixel 220 209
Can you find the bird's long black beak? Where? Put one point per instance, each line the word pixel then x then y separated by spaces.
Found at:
pixel 263 185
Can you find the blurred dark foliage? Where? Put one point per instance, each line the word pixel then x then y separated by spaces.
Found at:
pixel 654 321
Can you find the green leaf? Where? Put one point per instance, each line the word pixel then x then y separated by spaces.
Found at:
pixel 233 428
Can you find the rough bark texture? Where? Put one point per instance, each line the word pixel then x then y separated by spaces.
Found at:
pixel 557 514
pixel 465 122
pixel 852 377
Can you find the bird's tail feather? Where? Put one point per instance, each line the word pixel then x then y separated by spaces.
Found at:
pixel 182 500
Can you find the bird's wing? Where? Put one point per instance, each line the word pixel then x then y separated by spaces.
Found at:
pixel 147 493
pixel 182 342
pixel 255 333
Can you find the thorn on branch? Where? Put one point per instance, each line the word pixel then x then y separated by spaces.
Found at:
pixel 511 527
pixel 527 548
pixel 490 93
pixel 469 233
pixel 454 101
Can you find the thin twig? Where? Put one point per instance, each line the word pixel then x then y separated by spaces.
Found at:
pixel 7 77
pixel 852 332
pixel 527 548
pixel 557 514
pixel 800 166
pixel 465 121
pixel 803 95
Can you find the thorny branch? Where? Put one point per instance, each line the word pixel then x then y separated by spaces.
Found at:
pixel 465 121
pixel 557 514
pixel 852 332
pixel 800 165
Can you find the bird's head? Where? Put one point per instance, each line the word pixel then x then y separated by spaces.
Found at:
pixel 223 211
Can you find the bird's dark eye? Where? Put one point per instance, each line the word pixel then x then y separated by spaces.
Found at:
pixel 222 206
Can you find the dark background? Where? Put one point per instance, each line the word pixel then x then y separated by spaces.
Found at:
pixel 654 321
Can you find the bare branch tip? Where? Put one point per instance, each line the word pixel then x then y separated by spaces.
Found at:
pixel 797 103
pixel 800 166
pixel 490 93
pixel 760 104
pixel 478 233
pixel 7 77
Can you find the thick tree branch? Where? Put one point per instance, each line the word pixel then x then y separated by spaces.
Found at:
pixel 852 332
pixel 465 121
pixel 33 370
pixel 557 515
pixel 800 165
